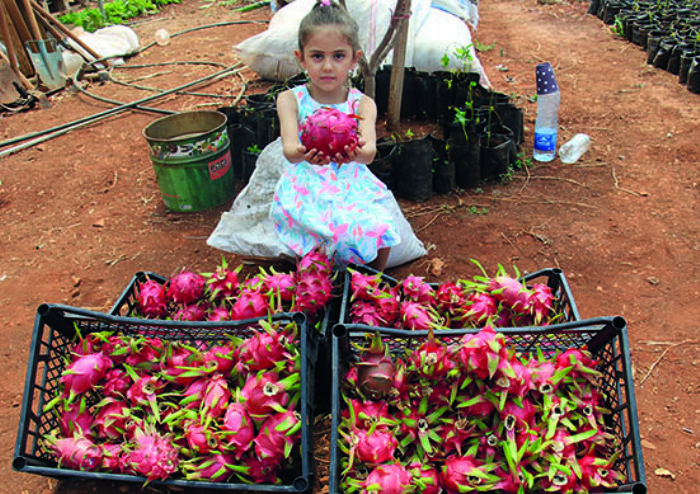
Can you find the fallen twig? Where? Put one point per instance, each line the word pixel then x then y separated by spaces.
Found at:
pixel 617 185
pixel 549 202
pixel 563 179
pixel 663 354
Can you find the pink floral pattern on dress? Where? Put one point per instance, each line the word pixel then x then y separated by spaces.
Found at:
pixel 344 207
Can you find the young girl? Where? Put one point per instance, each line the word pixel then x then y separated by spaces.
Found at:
pixel 331 200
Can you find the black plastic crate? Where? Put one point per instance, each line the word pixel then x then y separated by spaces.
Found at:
pixel 54 331
pixel 605 337
pixel 552 277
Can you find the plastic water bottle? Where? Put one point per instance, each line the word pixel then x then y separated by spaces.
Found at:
pixel 547 113
pixel 162 37
pixel 574 149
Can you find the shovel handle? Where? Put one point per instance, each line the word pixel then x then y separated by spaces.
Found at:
pixel 33 26
pixel 48 17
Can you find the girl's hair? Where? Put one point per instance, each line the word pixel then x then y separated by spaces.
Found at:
pixel 328 13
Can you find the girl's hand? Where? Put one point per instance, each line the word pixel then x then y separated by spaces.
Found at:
pixel 350 153
pixel 316 157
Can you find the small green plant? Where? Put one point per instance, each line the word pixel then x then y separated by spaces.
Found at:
pixel 617 28
pixel 481 48
pixel 254 149
pixel 116 12
pixel 476 210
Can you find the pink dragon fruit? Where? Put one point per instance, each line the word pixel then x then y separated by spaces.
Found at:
pixel 425 477
pixel 480 353
pixel 75 418
pixel 368 415
pixel 144 393
pixel 449 297
pixel 221 358
pixel 201 440
pixel 279 286
pixel 312 293
pixel 511 292
pixel 191 312
pixel 417 290
pixel 432 359
pixel 216 467
pixel 218 314
pixel 386 301
pixel 264 393
pixel 76 452
pixel 259 471
pixel 364 312
pixel 375 369
pixel 84 373
pixel 216 397
pixel 363 286
pixel 150 454
pixel 513 377
pixel 265 349
pixel 145 354
pixel 237 429
pixel 111 457
pixel 249 305
pixel 415 315
pixel 223 283
pixel 373 446
pixel 480 308
pixel 317 261
pixel 329 131
pixel 116 383
pixel 183 364
pixel 194 393
pixel 597 473
pixel 186 287
pixel 278 436
pixel 151 298
pixel 466 473
pixel 518 416
pixel 541 302
pixel 390 477
pixel 111 418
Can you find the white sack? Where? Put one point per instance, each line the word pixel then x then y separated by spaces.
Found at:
pixel 467 10
pixel 248 230
pixel 111 42
pixel 271 53
pixel 441 34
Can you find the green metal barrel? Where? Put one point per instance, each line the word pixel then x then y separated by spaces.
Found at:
pixel 191 155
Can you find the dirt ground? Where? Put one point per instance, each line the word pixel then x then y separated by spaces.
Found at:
pixel 82 213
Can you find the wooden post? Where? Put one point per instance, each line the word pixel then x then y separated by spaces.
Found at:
pixel 397 70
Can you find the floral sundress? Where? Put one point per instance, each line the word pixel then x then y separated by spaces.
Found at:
pixel 342 207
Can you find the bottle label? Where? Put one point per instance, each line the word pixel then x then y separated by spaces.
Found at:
pixel 546 140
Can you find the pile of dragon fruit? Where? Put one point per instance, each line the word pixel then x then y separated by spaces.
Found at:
pixel 501 300
pixel 221 411
pixel 470 415
pixel 224 296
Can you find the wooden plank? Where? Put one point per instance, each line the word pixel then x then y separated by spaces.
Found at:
pixel 397 70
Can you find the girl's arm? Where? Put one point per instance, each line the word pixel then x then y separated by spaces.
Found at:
pixel 289 130
pixel 367 128
pixel 292 147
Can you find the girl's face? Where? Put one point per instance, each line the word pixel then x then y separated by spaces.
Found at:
pixel 328 58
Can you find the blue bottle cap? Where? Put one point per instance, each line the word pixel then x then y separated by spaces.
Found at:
pixel 546 82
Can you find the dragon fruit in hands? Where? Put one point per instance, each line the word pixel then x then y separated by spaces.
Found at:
pixel 330 131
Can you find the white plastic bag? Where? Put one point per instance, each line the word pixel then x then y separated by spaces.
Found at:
pixel 248 230
pixel 270 54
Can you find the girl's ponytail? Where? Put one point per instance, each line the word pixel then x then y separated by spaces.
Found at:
pixel 329 13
